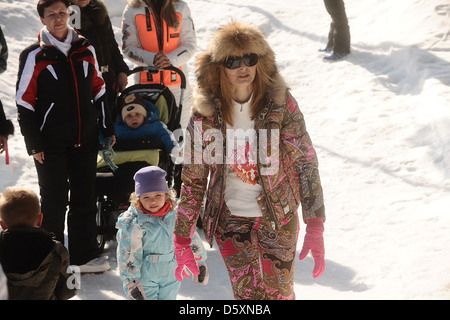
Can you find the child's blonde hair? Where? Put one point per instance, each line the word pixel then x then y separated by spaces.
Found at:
pixel 171 197
pixel 19 207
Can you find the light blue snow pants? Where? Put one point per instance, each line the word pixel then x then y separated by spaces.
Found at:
pixel 158 278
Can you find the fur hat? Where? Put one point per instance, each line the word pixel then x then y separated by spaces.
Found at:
pixel 133 103
pixel 150 179
pixel 234 39
pixel 237 39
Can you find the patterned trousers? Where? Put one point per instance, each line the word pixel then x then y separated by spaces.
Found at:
pixel 260 261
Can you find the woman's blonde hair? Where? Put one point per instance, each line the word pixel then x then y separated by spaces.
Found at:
pixel 171 197
pixel 19 206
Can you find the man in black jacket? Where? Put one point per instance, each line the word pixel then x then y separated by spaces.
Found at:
pixel 62 105
pixel 339 34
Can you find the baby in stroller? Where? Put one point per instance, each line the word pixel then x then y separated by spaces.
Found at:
pixel 142 139
pixel 139 119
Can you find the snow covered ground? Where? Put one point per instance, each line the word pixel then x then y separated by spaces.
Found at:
pixel 380 122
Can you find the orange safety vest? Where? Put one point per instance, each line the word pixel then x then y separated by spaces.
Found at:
pixel 148 36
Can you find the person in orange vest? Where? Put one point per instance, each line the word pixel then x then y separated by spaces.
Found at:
pixel 161 33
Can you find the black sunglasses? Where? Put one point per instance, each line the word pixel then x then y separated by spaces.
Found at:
pixel 235 62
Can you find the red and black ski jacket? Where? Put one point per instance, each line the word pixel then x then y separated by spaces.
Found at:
pixel 61 99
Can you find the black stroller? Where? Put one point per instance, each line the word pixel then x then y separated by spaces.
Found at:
pixel 113 188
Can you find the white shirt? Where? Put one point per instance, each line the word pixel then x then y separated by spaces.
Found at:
pixel 241 187
pixel 179 57
pixel 63 46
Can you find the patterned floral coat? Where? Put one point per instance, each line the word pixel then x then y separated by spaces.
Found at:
pixel 289 179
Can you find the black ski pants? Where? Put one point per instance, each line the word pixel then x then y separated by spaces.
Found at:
pixel 67 178
pixel 339 34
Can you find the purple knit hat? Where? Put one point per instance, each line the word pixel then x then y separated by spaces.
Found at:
pixel 150 179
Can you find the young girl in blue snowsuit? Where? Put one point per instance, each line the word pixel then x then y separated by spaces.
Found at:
pixel 145 250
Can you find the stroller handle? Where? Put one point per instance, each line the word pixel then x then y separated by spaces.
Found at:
pixel 154 70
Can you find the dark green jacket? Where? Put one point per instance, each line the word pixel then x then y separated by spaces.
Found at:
pixel 35 265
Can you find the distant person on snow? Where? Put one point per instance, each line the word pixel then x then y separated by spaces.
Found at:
pixel 339 34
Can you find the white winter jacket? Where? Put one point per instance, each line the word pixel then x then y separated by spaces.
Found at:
pixel 134 51
pixel 132 47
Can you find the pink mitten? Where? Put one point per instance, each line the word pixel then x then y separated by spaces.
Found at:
pixel 185 258
pixel 314 241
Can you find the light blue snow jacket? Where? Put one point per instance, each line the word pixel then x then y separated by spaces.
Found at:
pixel 145 249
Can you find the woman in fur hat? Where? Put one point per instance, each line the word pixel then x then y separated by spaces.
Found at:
pixel 256 164
pixel 96 26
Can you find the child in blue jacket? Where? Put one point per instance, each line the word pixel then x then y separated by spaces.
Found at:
pixel 139 119
pixel 145 250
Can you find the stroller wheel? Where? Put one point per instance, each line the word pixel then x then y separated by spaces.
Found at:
pixel 100 221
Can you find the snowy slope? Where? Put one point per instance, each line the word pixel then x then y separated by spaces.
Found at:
pixel 380 121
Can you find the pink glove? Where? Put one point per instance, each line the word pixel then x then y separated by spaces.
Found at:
pixel 185 258
pixel 314 241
